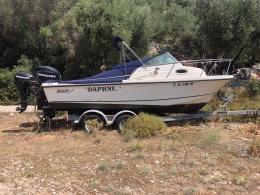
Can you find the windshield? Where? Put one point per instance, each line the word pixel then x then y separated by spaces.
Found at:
pixel 164 58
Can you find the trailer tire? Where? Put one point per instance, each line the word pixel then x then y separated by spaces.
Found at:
pixel 120 120
pixel 88 118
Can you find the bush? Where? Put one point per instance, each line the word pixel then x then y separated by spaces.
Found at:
pixel 8 92
pixel 144 126
pixel 254 87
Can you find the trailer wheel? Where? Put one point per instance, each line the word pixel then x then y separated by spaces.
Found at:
pixel 94 125
pixel 120 121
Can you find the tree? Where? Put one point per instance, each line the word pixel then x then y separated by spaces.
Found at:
pixel 228 28
pixel 21 22
pixel 180 30
pixel 86 33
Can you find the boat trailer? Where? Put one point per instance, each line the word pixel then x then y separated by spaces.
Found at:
pixel 119 118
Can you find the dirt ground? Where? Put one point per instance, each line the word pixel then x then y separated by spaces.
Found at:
pixel 202 158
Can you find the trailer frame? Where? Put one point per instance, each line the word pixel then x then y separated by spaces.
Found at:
pixel 123 115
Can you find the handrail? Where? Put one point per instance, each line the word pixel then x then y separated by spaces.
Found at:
pixel 206 62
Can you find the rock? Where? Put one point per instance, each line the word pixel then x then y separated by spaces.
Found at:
pixel 243 73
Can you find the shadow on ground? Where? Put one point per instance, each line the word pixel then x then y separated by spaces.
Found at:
pixel 42 126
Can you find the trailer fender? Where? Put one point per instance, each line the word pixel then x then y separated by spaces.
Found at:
pixel 97 112
pixel 123 112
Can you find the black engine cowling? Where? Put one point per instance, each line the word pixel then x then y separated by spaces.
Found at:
pixel 27 83
pixel 45 73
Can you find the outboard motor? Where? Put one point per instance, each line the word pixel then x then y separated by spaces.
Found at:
pixel 27 83
pixel 23 80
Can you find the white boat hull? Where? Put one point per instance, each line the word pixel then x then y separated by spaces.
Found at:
pixel 182 95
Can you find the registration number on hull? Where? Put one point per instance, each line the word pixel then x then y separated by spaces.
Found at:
pixel 182 84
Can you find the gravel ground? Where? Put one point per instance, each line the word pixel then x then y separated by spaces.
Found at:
pixel 13 109
pixel 210 158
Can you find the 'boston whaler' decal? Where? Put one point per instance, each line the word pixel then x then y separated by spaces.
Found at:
pixel 102 89
pixel 64 90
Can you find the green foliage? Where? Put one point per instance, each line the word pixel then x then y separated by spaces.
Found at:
pixel 120 165
pixel 8 91
pixel 129 135
pixel 180 30
pixel 87 30
pixel 144 126
pixel 75 36
pixel 162 175
pixel 140 156
pixel 146 170
pixel 254 87
pixel 103 167
pixel 26 64
pixel 226 27
pixel 21 25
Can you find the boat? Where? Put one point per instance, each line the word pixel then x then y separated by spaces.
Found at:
pixel 157 84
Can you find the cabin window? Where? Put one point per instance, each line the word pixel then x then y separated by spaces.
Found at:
pixel 165 58
pixel 181 71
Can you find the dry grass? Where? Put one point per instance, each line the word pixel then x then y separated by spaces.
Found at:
pixel 242 100
pixel 200 159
